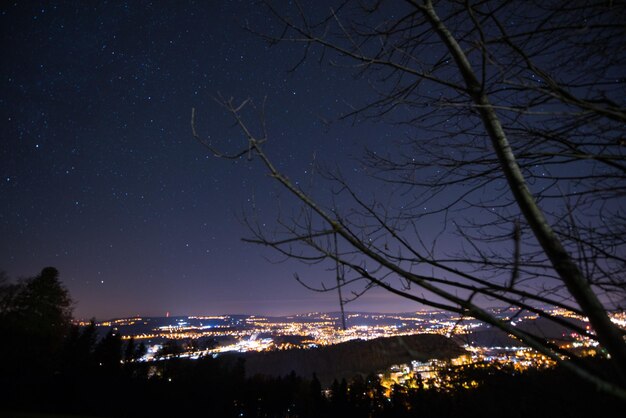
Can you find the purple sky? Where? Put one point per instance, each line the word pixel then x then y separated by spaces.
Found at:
pixel 101 178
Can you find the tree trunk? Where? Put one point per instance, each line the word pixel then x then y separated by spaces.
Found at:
pixel 608 334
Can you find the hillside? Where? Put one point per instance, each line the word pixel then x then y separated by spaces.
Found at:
pixel 352 357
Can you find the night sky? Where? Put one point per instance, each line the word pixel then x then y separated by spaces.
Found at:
pixel 101 178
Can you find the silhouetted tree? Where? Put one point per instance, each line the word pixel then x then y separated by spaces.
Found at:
pixel 108 353
pixel 43 307
pixel 375 392
pixel 36 314
pixel 316 393
pixel 514 120
pixel 339 397
pixel 130 351
pixel 8 291
pixel 79 350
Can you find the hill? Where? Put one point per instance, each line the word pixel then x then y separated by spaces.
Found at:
pixel 352 357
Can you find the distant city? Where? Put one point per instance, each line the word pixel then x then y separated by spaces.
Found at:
pixel 199 336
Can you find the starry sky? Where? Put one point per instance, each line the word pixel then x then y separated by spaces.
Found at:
pixel 101 178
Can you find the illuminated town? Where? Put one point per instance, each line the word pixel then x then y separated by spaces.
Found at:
pixel 199 336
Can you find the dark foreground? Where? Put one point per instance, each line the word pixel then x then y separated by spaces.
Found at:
pixel 215 388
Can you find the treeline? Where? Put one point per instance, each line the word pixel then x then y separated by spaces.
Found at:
pixel 49 366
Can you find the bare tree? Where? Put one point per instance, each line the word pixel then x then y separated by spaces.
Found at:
pixel 516 123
